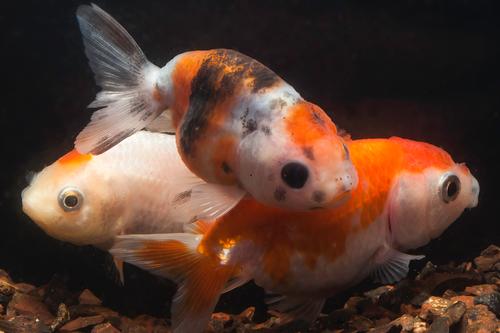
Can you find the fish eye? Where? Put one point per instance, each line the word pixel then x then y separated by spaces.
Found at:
pixel 450 187
pixel 70 199
pixel 295 174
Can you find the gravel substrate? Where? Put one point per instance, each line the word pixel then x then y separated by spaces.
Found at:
pixel 452 298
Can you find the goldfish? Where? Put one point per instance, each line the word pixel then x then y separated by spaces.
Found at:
pixel 236 121
pixel 408 193
pixel 140 185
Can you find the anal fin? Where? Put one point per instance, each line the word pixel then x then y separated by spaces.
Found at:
pixel 200 278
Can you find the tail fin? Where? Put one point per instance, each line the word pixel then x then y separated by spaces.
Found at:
pixel 200 278
pixel 126 77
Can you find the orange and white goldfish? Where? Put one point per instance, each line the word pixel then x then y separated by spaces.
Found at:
pixel 408 193
pixel 140 185
pixel 237 122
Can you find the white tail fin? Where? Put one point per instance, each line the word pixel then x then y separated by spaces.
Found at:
pixel 126 77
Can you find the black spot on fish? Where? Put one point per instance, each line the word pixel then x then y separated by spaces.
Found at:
pixel 309 153
pixel 317 116
pixel 182 197
pixel 280 194
pixel 249 126
pixel 226 168
pixel 211 86
pixel 318 196
pixel 107 142
pixel 266 130
pixel 277 103
pixel 263 77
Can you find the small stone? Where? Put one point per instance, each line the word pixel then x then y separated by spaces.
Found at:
pixel 353 303
pixel 467 300
pixel 455 312
pixel 24 288
pixel 1 309
pixel 360 323
pixel 62 317
pixel 439 325
pixel 481 289
pixel 420 327
pixel 220 321
pixel 84 310
pixel 479 320
pixel 435 307
pixel 23 324
pixel 30 305
pixel 407 322
pixel 488 258
pixel 246 315
pixel 105 328
pixel 409 309
pixel 428 269
pixel 491 300
pixel 81 322
pixel 375 294
pixel 87 297
pixel 449 294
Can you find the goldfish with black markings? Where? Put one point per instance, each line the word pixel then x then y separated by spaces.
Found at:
pixel 408 193
pixel 237 122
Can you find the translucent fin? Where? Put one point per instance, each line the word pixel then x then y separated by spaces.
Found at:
pixel 210 201
pixel 119 268
pixel 162 123
pixel 394 266
pixel 126 77
pixel 200 278
pixel 288 308
pixel 199 227
pixel 235 282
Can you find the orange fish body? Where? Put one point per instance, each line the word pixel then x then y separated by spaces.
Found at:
pixel 408 193
pixel 237 123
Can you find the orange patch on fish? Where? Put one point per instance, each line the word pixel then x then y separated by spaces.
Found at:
pixel 74 158
pixel 306 123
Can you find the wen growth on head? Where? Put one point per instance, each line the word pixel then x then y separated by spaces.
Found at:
pixel 237 122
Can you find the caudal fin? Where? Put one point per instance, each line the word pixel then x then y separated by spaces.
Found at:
pixel 126 77
pixel 200 278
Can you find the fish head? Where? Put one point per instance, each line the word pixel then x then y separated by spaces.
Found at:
pixel 300 164
pixel 429 196
pixel 70 201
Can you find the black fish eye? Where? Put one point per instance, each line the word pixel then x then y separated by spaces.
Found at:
pixel 70 199
pixel 450 187
pixel 295 174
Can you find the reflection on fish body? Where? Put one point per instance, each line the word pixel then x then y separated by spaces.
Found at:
pixel 408 193
pixel 237 122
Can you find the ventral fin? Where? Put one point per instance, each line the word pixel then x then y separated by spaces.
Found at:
pixel 200 278
pixel 394 266
pixel 289 308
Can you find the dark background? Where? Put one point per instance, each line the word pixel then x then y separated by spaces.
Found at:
pixel 423 69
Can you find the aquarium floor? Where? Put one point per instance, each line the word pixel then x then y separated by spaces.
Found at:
pixel 459 298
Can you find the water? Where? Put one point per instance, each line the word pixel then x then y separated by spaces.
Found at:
pixel 422 70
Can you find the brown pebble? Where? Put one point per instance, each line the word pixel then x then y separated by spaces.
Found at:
pixel 24 288
pixel 467 300
pixel 360 323
pixel 82 322
pixel 479 320
pixel 488 258
pixel 105 328
pixel 246 315
pixel 375 294
pixel 87 297
pixel 481 289
pixel 455 312
pixel 434 307
pixel 439 325
pixel 30 305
